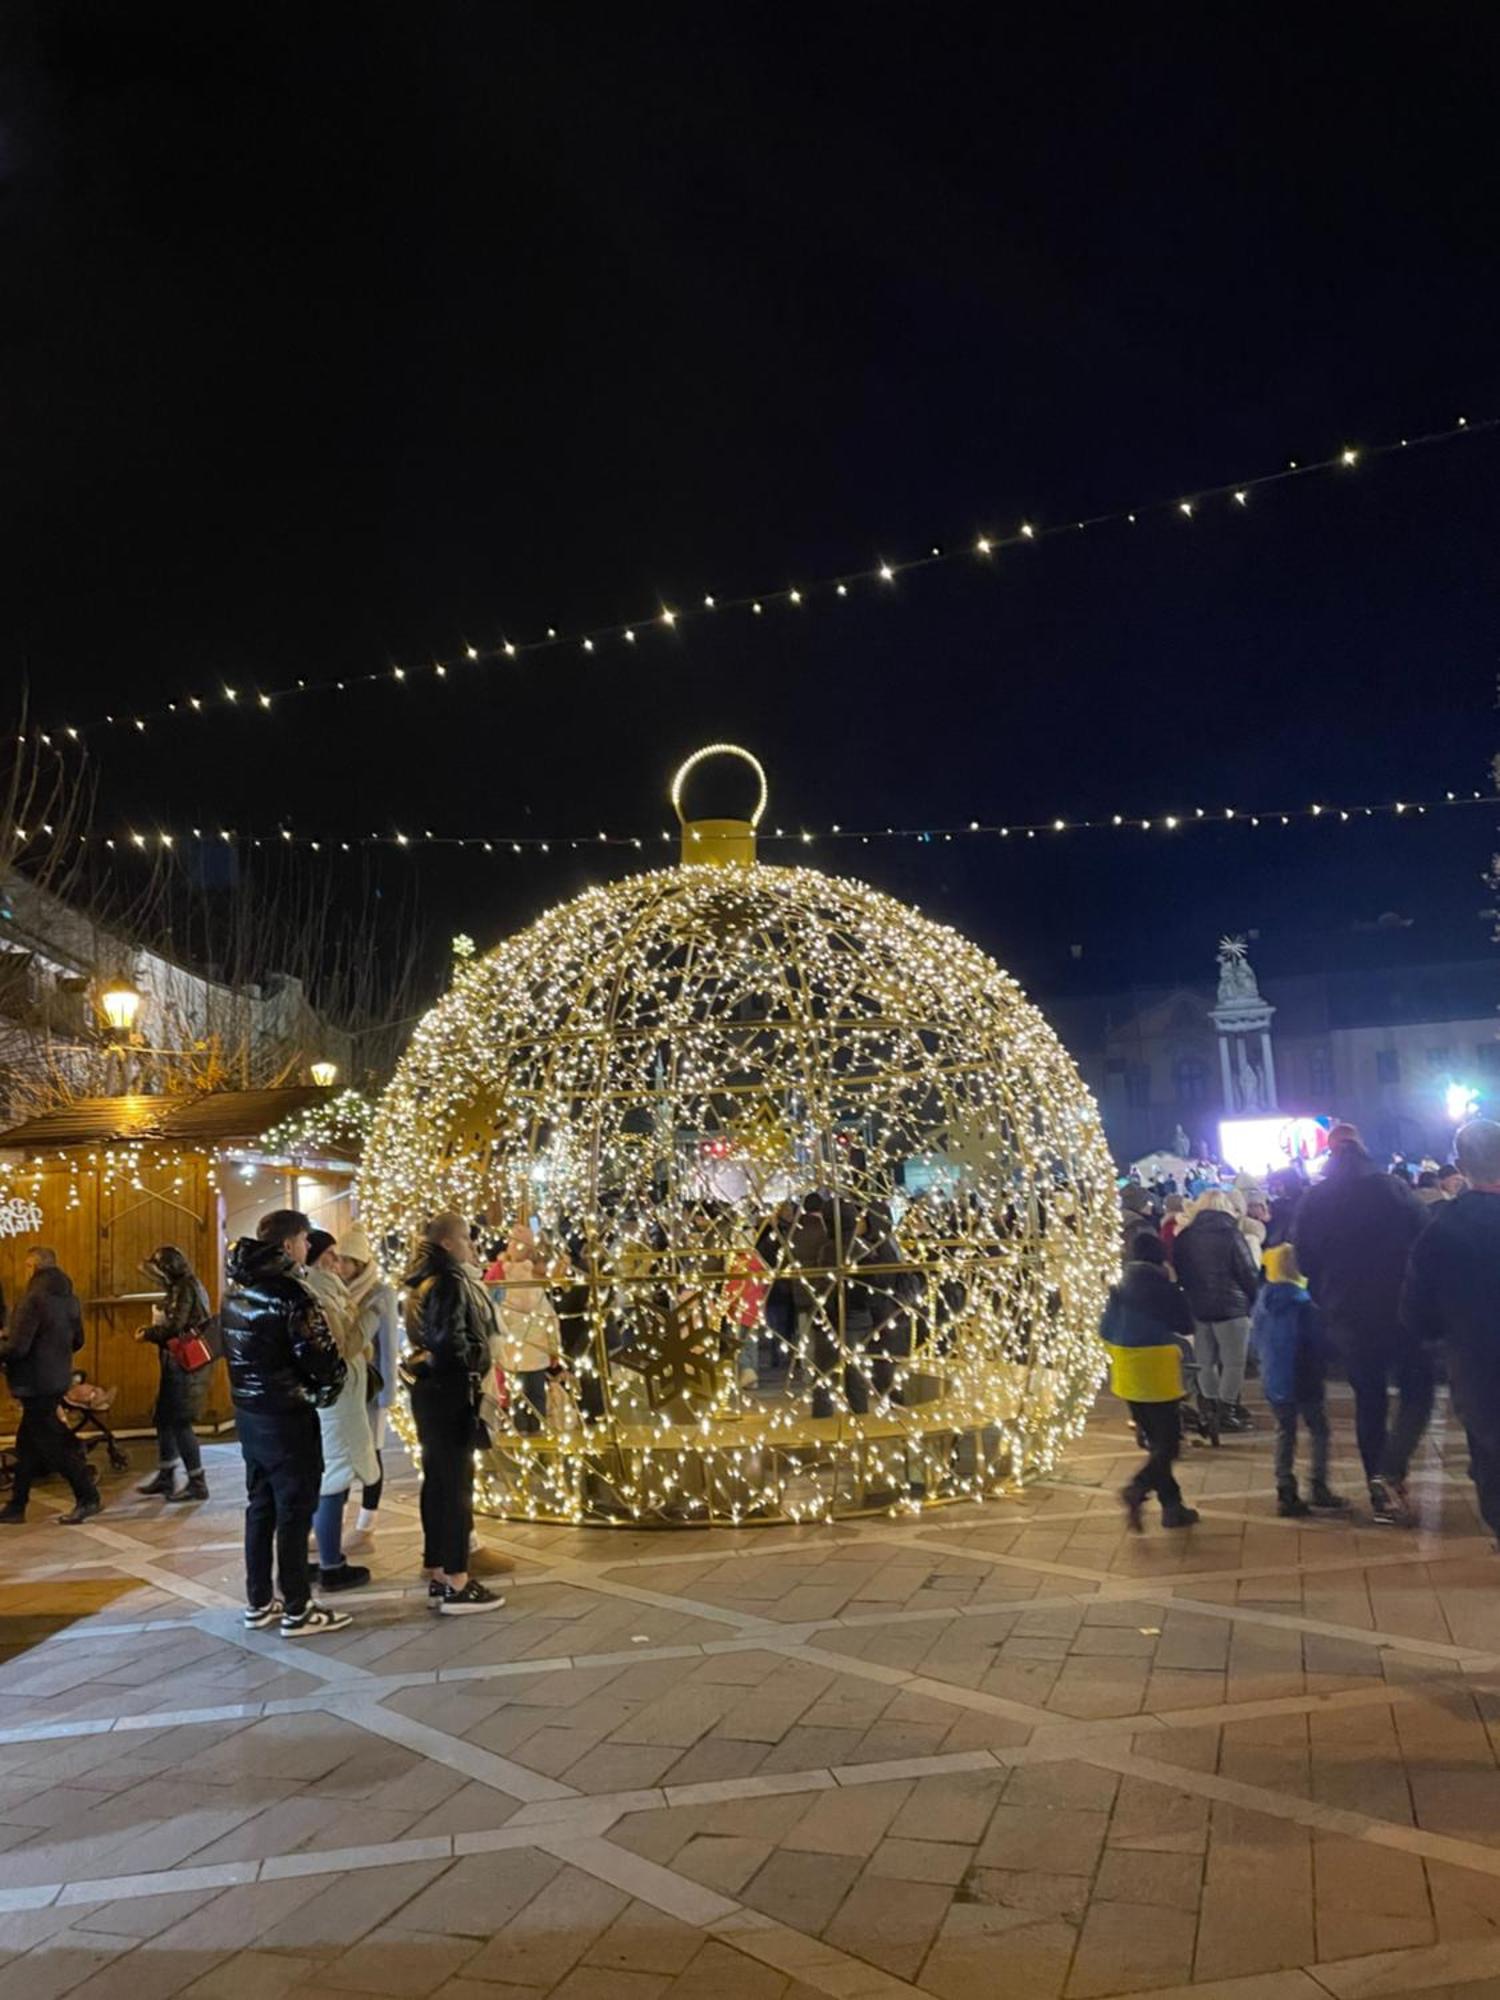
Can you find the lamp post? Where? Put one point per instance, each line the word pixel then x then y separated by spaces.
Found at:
pixel 119 1003
pixel 324 1074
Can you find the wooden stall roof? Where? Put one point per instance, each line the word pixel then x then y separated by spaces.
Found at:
pixel 216 1120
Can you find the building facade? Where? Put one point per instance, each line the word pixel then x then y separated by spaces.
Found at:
pixel 1391 1045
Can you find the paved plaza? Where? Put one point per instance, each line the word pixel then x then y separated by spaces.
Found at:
pixel 1007 1751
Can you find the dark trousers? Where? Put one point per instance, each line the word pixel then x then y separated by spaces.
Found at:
pixel 445 1432
pixel 283 1455
pixel 45 1444
pixel 1160 1425
pixel 1476 1404
pixel 173 1418
pixel 1372 1365
pixel 827 1351
pixel 1314 1416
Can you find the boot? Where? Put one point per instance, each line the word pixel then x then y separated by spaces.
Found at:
pixel 1326 1501
pixel 81 1510
pixel 161 1482
pixel 1208 1416
pixel 1234 1418
pixel 1179 1516
pixel 1133 1500
pixel 196 1489
pixel 1289 1503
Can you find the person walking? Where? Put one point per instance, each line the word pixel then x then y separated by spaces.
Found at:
pixel 1353 1234
pixel 1217 1271
pixel 449 1322
pixel 1451 1299
pixel 372 1300
pixel 1287 1336
pixel 284 1366
pixel 1145 1326
pixel 37 1354
pixel 177 1329
pixel 344 1424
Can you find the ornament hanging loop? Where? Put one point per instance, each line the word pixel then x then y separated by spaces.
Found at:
pixel 719 843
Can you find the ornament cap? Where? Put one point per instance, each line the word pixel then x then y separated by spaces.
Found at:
pixel 719 843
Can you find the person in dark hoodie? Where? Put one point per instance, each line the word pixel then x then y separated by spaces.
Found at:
pixel 1353 1235
pixel 37 1354
pixel 1451 1299
pixel 1287 1335
pixel 284 1366
pixel 182 1392
pixel 1216 1268
pixel 1146 1325
pixel 449 1324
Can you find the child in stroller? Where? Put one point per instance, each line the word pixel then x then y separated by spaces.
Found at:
pixel 85 1410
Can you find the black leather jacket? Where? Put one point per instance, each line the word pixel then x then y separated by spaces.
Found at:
pixel 282 1355
pixel 185 1308
pixel 449 1319
pixel 1216 1267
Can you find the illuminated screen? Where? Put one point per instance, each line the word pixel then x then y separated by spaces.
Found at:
pixel 1262 1145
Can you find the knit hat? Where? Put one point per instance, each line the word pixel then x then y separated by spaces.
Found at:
pixel 1281 1265
pixel 1343 1135
pixel 356 1246
pixel 318 1240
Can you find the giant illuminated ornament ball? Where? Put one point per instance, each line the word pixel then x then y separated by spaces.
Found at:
pixel 827 1212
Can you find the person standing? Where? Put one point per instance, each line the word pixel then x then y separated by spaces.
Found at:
pixel 372 1300
pixel 1146 1324
pixel 449 1322
pixel 37 1354
pixel 1217 1271
pixel 284 1366
pixel 182 1316
pixel 1451 1299
pixel 344 1424
pixel 1354 1232
pixel 527 1323
pixel 1287 1335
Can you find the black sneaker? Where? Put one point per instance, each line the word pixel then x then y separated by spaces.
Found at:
pixel 348 1576
pixel 258 1617
pixel 81 1510
pixel 1389 1507
pixel 1291 1506
pixel 473 1597
pixel 1180 1516
pixel 313 1620
pixel 1326 1501
pixel 437 1590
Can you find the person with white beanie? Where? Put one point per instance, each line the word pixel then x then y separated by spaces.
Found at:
pixel 372 1302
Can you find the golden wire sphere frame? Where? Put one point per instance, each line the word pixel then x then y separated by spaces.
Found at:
pixel 648 1073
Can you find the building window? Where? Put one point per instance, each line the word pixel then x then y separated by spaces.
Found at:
pixel 1190 1075
pixel 1320 1073
pixel 1138 1086
pixel 1387 1066
pixel 1439 1058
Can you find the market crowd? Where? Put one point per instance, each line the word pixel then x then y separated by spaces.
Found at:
pixel 1388 1278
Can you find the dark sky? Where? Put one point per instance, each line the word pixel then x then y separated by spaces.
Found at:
pixel 336 337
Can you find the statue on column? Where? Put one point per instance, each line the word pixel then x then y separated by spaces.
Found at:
pixel 1236 975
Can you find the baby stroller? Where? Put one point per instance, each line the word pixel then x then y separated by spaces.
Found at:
pixel 85 1410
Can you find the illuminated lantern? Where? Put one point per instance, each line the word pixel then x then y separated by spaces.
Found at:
pixel 648 1072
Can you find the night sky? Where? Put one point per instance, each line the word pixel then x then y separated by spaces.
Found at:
pixel 337 338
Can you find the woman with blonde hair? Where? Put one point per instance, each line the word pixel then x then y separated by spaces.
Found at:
pixel 372 1301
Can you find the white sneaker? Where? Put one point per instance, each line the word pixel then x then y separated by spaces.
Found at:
pixel 313 1622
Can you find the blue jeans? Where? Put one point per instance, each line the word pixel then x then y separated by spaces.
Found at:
pixel 328 1526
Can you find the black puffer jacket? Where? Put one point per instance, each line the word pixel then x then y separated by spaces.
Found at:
pixel 1353 1233
pixel 1215 1267
pixel 282 1356
pixel 449 1318
pixel 1452 1297
pixel 45 1334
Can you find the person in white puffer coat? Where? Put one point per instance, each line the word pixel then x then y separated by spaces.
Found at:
pixel 527 1319
pixel 348 1444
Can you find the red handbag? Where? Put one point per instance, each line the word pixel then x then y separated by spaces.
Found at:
pixel 190 1351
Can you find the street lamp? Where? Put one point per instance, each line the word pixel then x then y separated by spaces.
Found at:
pixel 1461 1103
pixel 120 1003
pixel 324 1074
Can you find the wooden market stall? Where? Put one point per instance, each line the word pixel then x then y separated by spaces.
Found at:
pixel 104 1181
